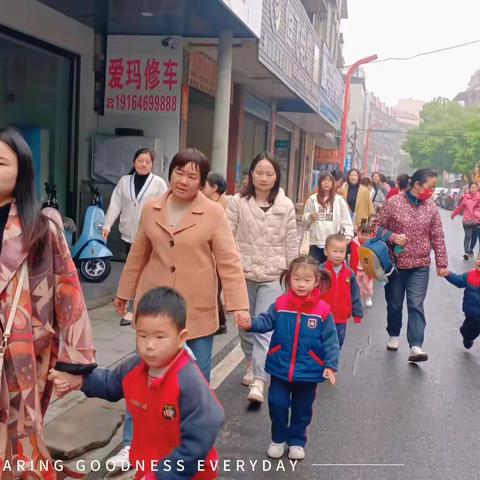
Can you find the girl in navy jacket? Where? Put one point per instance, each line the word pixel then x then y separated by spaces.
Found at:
pixel 470 281
pixel 303 352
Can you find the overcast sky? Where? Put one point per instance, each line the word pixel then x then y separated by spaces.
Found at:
pixel 400 28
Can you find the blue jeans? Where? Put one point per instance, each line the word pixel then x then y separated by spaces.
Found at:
pixel 202 349
pixel 341 332
pixel 414 283
pixel 127 429
pixel 297 399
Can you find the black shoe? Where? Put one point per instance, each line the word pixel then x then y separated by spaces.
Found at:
pixel 222 329
pixel 125 323
pixel 465 256
pixel 471 253
pixel 468 344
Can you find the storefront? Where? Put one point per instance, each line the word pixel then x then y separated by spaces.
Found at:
pixel 37 95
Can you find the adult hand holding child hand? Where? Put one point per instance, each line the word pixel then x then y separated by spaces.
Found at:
pixel 64 383
pixel 242 319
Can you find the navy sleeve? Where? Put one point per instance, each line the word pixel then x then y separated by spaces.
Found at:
pixel 265 322
pixel 107 383
pixel 357 308
pixel 201 417
pixel 331 347
pixel 459 281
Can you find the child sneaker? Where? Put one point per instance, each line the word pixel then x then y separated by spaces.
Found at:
pixel 255 395
pixel 121 460
pixel 368 302
pixel 417 355
pixel 276 450
pixel 248 378
pixel 392 344
pixel 296 453
pixel 468 344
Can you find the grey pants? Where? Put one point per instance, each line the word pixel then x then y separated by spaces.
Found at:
pixel 255 345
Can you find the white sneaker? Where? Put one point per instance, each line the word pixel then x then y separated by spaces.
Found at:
pixel 296 453
pixel 121 460
pixel 417 355
pixel 392 344
pixel 248 378
pixel 276 450
pixel 255 394
pixel 368 302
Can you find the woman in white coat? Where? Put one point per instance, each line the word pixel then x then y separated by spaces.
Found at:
pixel 326 213
pixel 128 198
pixel 265 229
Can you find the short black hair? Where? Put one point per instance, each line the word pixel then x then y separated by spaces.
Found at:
pixel 164 301
pixel 191 155
pixel 402 181
pixel 421 176
pixel 215 179
pixel 338 175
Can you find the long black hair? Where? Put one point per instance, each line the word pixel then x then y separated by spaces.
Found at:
pixel 34 224
pixel 139 152
pixel 422 175
pixel 250 189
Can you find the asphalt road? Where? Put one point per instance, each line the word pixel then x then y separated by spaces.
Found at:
pixel 397 420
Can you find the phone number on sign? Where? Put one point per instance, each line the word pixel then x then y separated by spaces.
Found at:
pixel 143 103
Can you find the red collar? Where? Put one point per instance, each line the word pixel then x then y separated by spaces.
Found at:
pixel 182 356
pixel 313 298
pixel 330 267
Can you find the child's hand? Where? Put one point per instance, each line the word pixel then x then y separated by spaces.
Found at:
pixel 329 375
pixel 64 383
pixel 443 272
pixel 243 320
pixel 357 319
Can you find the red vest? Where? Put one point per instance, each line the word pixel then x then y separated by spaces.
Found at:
pixel 156 418
pixel 339 297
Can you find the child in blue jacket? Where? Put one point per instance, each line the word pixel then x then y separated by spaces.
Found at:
pixel 470 281
pixel 303 352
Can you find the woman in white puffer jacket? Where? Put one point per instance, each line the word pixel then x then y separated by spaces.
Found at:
pixel 265 229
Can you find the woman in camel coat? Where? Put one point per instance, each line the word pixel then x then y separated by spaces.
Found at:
pixel 358 198
pixel 182 240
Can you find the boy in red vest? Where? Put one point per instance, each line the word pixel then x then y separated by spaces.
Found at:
pixel 176 416
pixel 344 294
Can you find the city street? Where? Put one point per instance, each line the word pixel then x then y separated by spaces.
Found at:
pixel 386 418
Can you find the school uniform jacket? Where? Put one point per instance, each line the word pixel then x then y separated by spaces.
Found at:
pixel 176 418
pixel 344 294
pixel 470 281
pixel 128 205
pixel 304 340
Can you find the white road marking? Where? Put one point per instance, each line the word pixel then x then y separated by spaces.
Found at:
pixel 226 366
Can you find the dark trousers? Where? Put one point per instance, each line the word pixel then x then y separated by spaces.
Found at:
pixel 414 283
pixel 317 253
pixel 341 332
pixel 470 329
pixel 475 237
pixel 296 399
pixel 221 312
pixel 470 230
pixel 127 246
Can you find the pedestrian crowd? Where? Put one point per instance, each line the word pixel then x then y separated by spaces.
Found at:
pixel 194 254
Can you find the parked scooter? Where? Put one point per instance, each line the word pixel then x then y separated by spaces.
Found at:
pixel 89 252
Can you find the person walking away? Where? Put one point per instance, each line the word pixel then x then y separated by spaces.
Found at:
pixel 470 281
pixel 326 213
pixel 469 205
pixel 303 352
pixel 413 221
pixel 358 198
pixel 402 185
pixel 214 190
pixel 128 198
pixel 364 282
pixel 176 415
pixel 43 317
pixel 264 225
pixel 343 296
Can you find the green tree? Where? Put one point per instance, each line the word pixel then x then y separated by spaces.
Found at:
pixel 448 137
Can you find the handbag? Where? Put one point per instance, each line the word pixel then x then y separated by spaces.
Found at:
pixel 305 245
pixel 11 317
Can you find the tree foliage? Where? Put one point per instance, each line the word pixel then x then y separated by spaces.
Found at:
pixel 448 137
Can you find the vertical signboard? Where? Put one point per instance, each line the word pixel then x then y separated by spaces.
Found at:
pixel 143 75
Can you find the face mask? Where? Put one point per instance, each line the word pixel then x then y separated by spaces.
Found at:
pixel 426 194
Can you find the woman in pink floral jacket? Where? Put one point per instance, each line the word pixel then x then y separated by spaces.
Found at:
pixel 414 221
pixel 51 308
